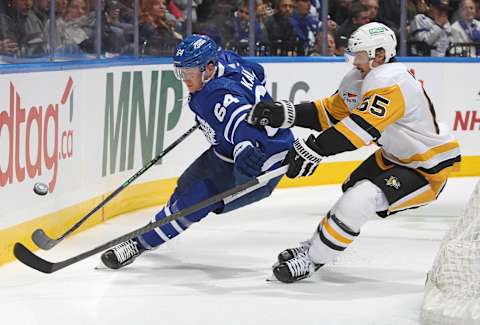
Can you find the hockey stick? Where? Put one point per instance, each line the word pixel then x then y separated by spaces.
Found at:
pixel 26 256
pixel 42 240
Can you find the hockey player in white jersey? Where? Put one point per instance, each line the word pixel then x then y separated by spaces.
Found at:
pixel 379 102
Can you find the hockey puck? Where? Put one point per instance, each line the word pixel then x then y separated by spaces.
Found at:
pixel 40 188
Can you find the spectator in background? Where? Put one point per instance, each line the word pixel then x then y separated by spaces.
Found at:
pixel 263 10
pixel 373 9
pixel 341 44
pixel 28 29
pixel 41 8
pixel 113 37
pixel 219 24
pixel 8 39
pixel 372 6
pixel 318 47
pixel 156 34
pixel 282 37
pixel 339 10
pixel 126 9
pixel 183 5
pixel 204 10
pixel 331 25
pixel 306 26
pixel 241 29
pixel 359 16
pixel 316 8
pixel 70 35
pixel 117 15
pixel 467 28
pixel 60 7
pixel 433 30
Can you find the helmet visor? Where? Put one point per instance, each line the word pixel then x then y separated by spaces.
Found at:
pixel 356 58
pixel 187 73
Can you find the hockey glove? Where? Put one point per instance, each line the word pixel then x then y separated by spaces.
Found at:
pixel 279 114
pixel 303 158
pixel 248 161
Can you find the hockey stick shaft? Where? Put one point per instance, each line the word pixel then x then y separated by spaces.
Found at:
pixel 41 239
pixel 24 255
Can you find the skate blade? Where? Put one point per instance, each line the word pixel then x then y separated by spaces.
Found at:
pixel 101 267
pixel 271 278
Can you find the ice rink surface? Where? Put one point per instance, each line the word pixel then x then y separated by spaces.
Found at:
pixel 214 273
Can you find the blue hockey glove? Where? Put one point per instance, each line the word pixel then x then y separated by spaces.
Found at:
pixel 248 161
pixel 303 158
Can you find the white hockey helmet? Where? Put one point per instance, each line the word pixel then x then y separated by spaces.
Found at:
pixel 373 36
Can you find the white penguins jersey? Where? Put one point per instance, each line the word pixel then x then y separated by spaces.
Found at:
pixel 390 107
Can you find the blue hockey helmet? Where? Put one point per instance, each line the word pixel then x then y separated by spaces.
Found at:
pixel 194 51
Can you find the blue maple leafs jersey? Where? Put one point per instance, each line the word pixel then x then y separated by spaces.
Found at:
pixel 223 103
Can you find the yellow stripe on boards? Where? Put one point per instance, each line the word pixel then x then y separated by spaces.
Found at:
pixel 134 197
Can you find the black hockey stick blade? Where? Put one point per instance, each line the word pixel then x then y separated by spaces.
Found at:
pixel 24 255
pixel 43 241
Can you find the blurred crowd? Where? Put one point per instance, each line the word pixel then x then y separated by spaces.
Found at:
pixel 282 27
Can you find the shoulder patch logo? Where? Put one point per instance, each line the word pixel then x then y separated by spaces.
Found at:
pixel 349 97
pixel 394 182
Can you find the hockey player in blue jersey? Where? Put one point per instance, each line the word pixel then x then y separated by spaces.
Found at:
pixel 223 87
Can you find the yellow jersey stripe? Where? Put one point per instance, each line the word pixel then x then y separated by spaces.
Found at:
pixel 350 135
pixel 322 114
pixel 429 154
pixel 336 107
pixel 380 162
pixel 425 195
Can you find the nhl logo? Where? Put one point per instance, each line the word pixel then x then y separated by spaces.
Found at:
pixel 394 182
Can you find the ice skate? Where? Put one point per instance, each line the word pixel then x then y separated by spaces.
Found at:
pixel 295 269
pixel 122 254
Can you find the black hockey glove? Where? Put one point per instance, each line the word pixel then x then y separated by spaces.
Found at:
pixel 303 158
pixel 279 114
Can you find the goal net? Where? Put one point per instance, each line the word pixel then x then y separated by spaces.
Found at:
pixel 452 293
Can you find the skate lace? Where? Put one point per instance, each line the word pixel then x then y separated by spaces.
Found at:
pixel 125 250
pixel 304 246
pixel 300 265
pixel 298 250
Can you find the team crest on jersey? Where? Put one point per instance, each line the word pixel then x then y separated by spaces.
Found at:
pixel 349 98
pixel 394 182
pixel 207 130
